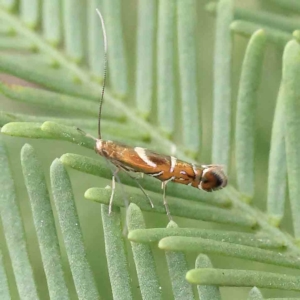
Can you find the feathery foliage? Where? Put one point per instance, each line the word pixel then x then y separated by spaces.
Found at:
pixel 56 245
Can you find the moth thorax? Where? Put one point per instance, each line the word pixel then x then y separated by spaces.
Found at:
pixel 213 178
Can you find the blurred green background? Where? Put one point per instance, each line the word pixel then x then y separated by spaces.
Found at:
pixel 89 213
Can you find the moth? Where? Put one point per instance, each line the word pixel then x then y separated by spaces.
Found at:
pixel 162 167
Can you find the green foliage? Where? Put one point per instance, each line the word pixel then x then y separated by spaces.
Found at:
pixel 61 55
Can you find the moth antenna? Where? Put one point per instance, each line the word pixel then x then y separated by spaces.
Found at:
pixel 104 70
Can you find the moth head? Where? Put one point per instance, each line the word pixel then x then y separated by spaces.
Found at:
pixel 213 178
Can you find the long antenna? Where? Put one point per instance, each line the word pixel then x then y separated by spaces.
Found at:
pixel 104 71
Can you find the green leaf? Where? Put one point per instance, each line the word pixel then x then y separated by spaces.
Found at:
pixel 30 130
pixel 44 223
pixel 51 21
pixel 116 253
pixel 223 277
pixel 165 66
pixel 155 234
pixel 222 84
pixel 95 44
pixel 277 164
pixel 186 27
pixel 58 102
pixel 291 94
pixel 143 257
pixel 261 17
pixel 178 267
pixel 116 48
pixel 14 231
pixel 145 56
pixel 207 246
pixel 181 208
pixel 246 104
pixel 73 29
pixel 69 224
pixel 206 292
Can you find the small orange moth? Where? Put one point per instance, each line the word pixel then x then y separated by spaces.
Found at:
pixel 162 167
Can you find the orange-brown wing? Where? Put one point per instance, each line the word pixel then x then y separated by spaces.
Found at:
pixel 136 159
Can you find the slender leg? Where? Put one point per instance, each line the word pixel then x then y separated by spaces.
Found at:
pixel 139 185
pixel 151 203
pixel 113 187
pixel 163 186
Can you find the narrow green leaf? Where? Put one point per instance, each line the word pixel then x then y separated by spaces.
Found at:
pixel 206 292
pixel 145 56
pixel 98 168
pixel 293 5
pixel 73 29
pixel 155 234
pixel 116 253
pixel 143 258
pixel 242 278
pixel 29 10
pixel 274 36
pixel 246 104
pixel 118 73
pixel 29 130
pixel 187 45
pixel 67 133
pixel 18 26
pixel 52 130
pixel 95 41
pixel 123 131
pixel 291 94
pixel 277 165
pixel 165 56
pixel 69 224
pixel 255 294
pixel 261 17
pixel 56 101
pixel 14 231
pixel 192 244
pixel 56 79
pixel 51 21
pixel 178 267
pixel 15 43
pixel 181 208
pixel 44 223
pixel 4 288
pixel 222 84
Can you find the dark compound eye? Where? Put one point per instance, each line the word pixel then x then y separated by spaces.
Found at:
pixel 213 178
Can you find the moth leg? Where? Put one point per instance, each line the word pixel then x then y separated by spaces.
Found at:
pixel 113 187
pixel 163 186
pixel 139 185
